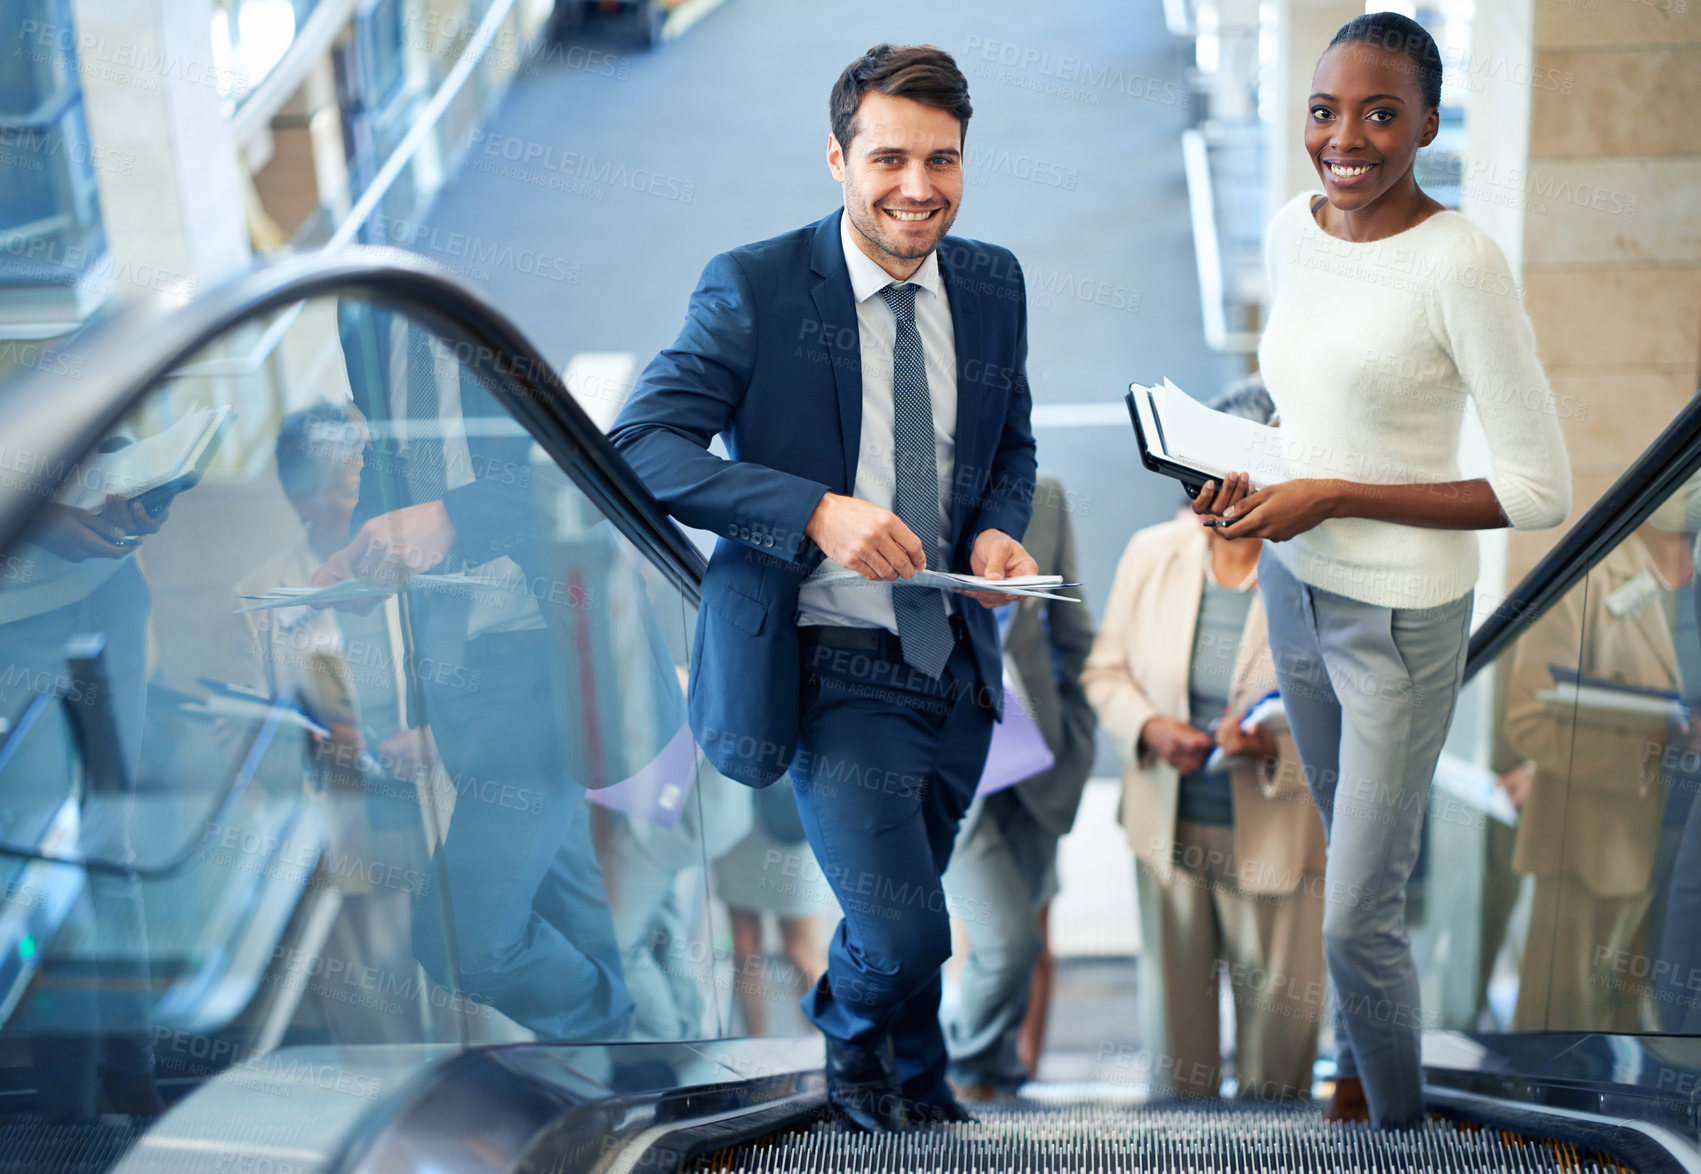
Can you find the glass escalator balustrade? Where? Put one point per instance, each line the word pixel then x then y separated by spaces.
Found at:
pixel 452 801
pixel 1560 890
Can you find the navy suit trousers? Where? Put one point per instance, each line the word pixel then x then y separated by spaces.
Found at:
pixel 887 764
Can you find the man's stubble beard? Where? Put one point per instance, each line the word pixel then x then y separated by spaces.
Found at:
pixel 872 231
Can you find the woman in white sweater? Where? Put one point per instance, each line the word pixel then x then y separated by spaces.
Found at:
pixel 1388 313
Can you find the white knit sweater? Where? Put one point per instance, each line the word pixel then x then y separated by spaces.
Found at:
pixel 1369 352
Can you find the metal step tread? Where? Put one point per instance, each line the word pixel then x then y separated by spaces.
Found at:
pixel 30 1144
pixel 1106 1138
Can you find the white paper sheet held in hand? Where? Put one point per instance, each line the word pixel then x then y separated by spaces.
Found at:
pixel 1026 586
pixel 1183 431
pixel 348 590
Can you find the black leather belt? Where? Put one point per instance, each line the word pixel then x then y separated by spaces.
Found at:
pixel 865 639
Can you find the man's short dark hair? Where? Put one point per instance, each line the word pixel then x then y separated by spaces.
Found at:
pixel 921 73
pixel 314 444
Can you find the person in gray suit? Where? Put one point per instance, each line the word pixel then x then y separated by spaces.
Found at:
pixel 1004 867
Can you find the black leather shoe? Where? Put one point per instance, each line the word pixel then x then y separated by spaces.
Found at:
pixel 863 1089
pixel 946 1112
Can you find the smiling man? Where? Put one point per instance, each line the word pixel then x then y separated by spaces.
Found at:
pixel 868 375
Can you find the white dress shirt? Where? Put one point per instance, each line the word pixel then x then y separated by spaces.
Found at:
pixel 869 605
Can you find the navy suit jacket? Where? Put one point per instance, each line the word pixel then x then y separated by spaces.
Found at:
pixel 770 358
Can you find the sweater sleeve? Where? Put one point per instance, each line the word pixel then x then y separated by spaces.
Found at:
pixel 1488 334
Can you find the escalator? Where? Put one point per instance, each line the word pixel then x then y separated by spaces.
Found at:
pixel 1162 1138
pixel 418 878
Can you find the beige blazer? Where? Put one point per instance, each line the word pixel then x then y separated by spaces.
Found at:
pixel 1139 669
pixel 1593 811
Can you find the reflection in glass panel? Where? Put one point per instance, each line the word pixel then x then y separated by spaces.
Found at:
pixel 1604 783
pixel 1588 821
pixel 1563 844
pixel 453 798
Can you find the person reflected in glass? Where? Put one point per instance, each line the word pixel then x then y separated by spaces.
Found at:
pixel 449 486
pixel 1388 312
pixel 341 667
pixel 1590 807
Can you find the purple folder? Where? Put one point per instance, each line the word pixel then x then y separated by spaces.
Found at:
pixel 1018 751
pixel 657 793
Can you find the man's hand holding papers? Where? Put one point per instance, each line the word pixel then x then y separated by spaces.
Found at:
pixel 390 549
pixel 995 556
pixel 866 538
pixel 874 544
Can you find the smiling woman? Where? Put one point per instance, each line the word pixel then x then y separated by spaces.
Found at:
pixel 1388 313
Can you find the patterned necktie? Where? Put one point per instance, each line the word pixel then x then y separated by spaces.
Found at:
pixel 923 630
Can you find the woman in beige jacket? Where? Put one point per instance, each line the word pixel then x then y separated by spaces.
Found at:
pixel 1230 863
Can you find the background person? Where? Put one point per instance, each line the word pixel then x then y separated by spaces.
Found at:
pixel 1228 860
pixel 772 873
pixel 869 373
pixel 1005 861
pixel 654 873
pixel 1388 312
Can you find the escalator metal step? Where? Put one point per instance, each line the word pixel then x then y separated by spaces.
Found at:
pixel 1169 1136
pixel 30 1144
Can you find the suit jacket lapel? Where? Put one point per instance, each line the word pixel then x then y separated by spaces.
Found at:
pixel 966 335
pixel 837 308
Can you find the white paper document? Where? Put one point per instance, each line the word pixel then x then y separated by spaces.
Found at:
pixel 171 460
pixel 1179 430
pixel 353 589
pixel 1026 586
pixel 1268 711
pixel 1575 691
pixel 1475 785
pixel 253 709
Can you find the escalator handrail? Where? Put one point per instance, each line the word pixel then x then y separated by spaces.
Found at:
pixel 67 407
pixel 1664 465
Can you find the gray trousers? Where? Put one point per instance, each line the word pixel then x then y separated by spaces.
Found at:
pixel 1000 877
pixel 1369 693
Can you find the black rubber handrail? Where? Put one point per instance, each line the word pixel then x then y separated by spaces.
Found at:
pixel 72 399
pixel 1653 477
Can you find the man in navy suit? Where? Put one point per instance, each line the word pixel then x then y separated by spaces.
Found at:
pixel 867 374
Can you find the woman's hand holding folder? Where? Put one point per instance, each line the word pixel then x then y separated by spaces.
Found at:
pixel 1276 512
pixel 1236 742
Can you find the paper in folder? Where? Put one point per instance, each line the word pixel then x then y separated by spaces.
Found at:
pixel 156 468
pixel 1573 690
pixel 1268 711
pixel 1182 438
